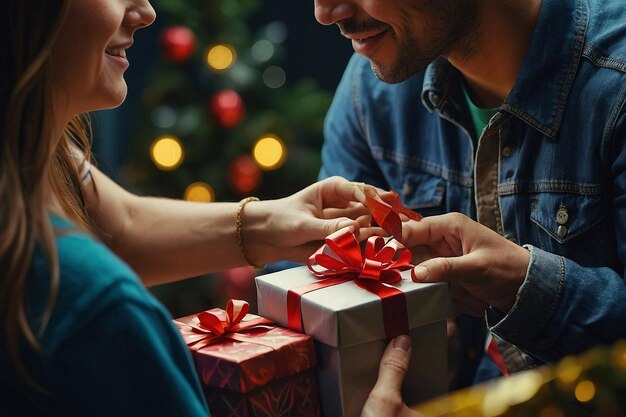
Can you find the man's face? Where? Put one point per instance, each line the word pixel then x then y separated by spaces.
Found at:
pixel 401 37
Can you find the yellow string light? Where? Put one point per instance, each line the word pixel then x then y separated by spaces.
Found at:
pixel 585 391
pixel 551 411
pixel 199 191
pixel 568 370
pixel 220 57
pixel 167 153
pixel 618 355
pixel 269 152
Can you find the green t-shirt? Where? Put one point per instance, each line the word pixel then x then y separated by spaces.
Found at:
pixel 480 116
pixel 110 348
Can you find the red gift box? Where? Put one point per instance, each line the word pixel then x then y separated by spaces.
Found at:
pixel 249 366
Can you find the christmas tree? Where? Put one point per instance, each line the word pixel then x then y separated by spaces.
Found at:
pixel 219 120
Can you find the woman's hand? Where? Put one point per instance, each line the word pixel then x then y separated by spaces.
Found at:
pixel 294 227
pixel 483 268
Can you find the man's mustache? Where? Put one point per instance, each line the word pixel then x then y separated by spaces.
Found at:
pixel 351 26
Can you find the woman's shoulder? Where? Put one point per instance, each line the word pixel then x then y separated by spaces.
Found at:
pixel 83 259
pixel 92 281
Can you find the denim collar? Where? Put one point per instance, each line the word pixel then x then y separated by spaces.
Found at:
pixel 543 86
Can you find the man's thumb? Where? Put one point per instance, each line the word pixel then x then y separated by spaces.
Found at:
pixel 394 364
pixel 436 269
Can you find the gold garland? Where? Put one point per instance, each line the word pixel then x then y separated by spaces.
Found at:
pixel 592 384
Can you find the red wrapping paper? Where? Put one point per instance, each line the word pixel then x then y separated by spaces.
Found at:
pixel 247 359
pixel 294 396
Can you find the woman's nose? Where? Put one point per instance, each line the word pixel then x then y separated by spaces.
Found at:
pixel 141 15
pixel 328 12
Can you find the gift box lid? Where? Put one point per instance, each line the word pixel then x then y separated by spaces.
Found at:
pixel 243 361
pixel 345 314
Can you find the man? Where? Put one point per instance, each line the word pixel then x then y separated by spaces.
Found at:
pixel 512 113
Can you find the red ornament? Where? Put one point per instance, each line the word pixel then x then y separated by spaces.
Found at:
pixel 227 108
pixel 244 174
pixel 178 43
pixel 238 283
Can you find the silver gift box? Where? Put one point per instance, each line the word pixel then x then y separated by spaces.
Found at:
pixel 347 325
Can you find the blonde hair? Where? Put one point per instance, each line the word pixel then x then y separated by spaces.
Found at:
pixel 30 159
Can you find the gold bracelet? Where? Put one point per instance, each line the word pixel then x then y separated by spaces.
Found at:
pixel 239 224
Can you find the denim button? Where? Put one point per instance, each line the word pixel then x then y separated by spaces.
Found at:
pixel 561 231
pixel 562 216
pixel 434 97
pixel 506 151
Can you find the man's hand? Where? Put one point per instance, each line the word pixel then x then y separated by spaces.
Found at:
pixel 385 400
pixel 483 268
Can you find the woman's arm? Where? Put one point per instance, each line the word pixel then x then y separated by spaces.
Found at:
pixel 166 240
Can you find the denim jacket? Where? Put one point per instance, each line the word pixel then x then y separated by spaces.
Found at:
pixel 549 171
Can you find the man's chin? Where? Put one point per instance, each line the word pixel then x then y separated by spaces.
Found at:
pixel 388 75
pixel 393 74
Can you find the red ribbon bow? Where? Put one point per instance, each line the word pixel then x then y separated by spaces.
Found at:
pixel 218 321
pixel 342 259
pixel 388 216
pixel 341 254
pixel 215 323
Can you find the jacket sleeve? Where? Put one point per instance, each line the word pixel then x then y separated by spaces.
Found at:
pixel 564 307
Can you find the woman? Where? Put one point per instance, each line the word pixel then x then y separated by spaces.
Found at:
pixel 80 333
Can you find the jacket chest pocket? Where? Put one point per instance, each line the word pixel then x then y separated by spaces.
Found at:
pixel 421 192
pixel 573 225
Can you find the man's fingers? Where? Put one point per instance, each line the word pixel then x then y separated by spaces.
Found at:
pixel 385 400
pixel 394 365
pixel 455 268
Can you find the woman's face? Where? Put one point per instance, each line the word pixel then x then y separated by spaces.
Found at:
pixel 89 56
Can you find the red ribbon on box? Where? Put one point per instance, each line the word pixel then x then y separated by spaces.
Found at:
pixel 343 261
pixel 216 323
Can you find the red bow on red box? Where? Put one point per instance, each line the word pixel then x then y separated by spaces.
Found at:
pixel 216 323
pixel 239 352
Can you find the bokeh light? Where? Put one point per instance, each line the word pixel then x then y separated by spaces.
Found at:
pixel 274 77
pixel 551 411
pixel 244 174
pixel 164 117
pixel 220 57
pixel 167 153
pixel 269 152
pixel 585 391
pixel 618 355
pixel 200 192
pixel 568 370
pixel 262 50
pixel 276 32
